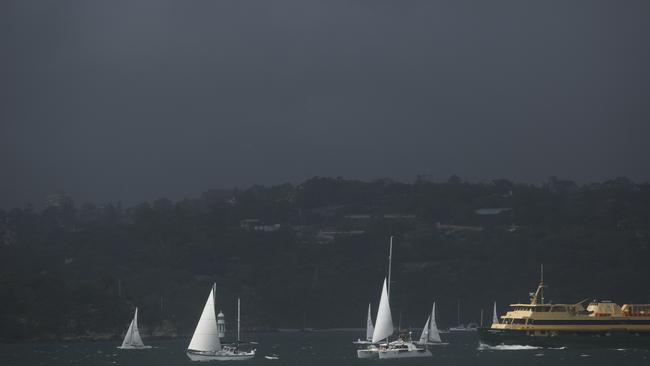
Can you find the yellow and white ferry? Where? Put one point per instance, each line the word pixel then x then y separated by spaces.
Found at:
pixel 540 323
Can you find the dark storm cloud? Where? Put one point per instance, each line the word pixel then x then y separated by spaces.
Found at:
pixel 132 100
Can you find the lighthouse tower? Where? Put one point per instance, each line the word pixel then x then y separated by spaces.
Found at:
pixel 221 325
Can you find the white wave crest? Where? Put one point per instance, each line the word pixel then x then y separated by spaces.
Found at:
pixel 506 347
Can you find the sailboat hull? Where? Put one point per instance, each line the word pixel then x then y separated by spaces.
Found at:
pixel 134 347
pixel 220 356
pixel 389 354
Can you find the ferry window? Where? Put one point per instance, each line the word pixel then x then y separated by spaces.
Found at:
pixel 559 309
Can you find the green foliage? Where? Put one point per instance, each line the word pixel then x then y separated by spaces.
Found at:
pixel 69 273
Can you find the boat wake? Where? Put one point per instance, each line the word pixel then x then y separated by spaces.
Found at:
pixel 506 347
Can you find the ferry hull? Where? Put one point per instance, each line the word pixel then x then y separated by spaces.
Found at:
pixel 583 339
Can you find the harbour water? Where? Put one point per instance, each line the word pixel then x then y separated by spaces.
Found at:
pixel 317 348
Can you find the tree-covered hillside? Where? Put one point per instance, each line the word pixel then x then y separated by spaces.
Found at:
pixel 315 254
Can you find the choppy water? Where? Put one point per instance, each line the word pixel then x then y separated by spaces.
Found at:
pixel 330 348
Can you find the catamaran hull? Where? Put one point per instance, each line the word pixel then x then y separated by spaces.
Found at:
pixel 613 339
pixel 220 356
pixel 389 354
pixel 367 353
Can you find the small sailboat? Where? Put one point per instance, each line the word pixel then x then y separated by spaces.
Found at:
pixel 205 344
pixel 132 339
pixel 471 327
pixel 370 328
pixel 430 333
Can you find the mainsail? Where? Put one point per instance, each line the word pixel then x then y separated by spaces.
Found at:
pixel 495 317
pixel 132 338
pixel 206 336
pixel 384 326
pixel 369 327
pixel 434 333
pixel 430 332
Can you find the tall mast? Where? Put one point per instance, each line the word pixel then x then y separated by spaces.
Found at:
pixel 538 296
pixel 541 282
pixel 390 262
pixel 458 311
pixel 238 319
pixel 214 294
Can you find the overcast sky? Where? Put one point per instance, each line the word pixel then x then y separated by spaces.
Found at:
pixel 134 100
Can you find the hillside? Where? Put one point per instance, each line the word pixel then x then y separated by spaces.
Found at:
pixel 315 254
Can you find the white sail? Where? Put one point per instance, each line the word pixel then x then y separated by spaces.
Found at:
pixel 424 338
pixel 132 337
pixel 126 343
pixel 384 324
pixel 369 327
pixel 206 335
pixel 434 333
pixel 495 317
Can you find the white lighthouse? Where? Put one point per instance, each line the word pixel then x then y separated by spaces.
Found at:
pixel 221 325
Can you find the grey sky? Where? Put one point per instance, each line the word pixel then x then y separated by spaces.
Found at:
pixel 134 100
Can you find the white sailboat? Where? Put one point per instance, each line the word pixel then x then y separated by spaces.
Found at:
pixel 370 328
pixel 384 329
pixel 371 350
pixel 132 339
pixel 430 333
pixel 205 344
pixel 495 317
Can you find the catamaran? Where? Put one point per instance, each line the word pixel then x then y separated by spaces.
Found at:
pixel 384 329
pixel 205 344
pixel 132 338
pixel 371 350
pixel 430 333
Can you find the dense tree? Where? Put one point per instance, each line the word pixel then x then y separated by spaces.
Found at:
pixel 69 273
